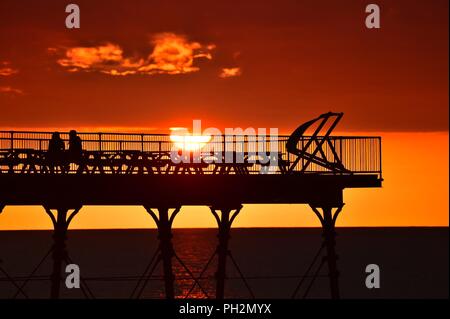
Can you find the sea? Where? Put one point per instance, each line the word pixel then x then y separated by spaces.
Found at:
pixel 263 263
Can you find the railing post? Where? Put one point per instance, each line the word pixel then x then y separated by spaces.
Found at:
pixel 99 141
pixel 12 140
pixel 303 148
pixel 224 145
pixel 142 142
pixel 379 146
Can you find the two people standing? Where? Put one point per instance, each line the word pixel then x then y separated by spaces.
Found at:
pixel 56 155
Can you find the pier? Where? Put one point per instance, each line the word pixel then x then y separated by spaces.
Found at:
pixel 224 173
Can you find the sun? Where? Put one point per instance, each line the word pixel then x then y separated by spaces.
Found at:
pixel 182 139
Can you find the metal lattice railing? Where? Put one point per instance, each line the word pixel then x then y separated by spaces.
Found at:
pixel 124 153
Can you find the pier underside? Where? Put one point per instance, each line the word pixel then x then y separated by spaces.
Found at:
pixel 176 190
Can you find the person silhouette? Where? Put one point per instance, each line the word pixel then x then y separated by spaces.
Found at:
pixel 55 151
pixel 75 147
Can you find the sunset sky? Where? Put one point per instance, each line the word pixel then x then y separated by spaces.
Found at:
pixel 151 65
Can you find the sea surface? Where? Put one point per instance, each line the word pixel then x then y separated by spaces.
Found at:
pixel 413 262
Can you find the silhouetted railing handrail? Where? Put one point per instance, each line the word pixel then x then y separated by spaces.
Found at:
pixel 359 154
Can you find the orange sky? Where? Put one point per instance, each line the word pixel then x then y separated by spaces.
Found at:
pixel 151 65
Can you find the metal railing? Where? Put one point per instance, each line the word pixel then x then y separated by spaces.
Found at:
pixel 25 152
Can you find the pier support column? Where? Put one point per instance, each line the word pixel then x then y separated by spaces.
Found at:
pixel 328 221
pixel 61 222
pixel 224 217
pixel 164 223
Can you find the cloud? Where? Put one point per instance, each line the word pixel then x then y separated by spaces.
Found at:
pixel 10 90
pixel 6 69
pixel 85 58
pixel 172 54
pixel 230 72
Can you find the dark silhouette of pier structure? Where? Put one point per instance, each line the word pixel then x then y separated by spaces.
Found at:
pixel 137 169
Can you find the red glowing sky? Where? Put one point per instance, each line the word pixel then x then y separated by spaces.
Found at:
pixel 249 63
